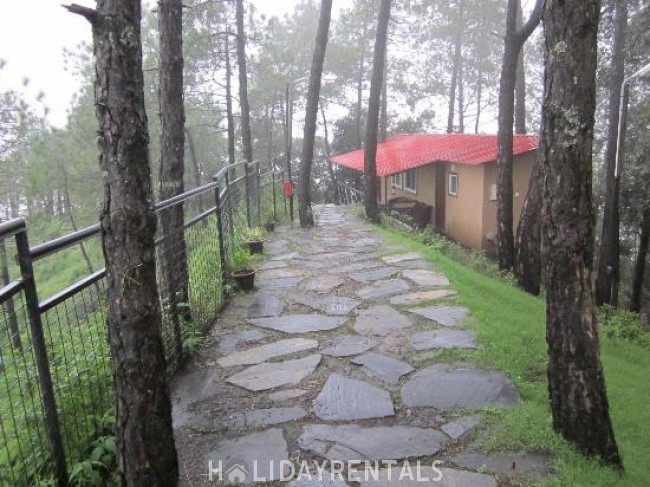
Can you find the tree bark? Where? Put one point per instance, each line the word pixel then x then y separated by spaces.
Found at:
pixel 196 167
pixel 360 78
pixel 328 152
pixel 370 147
pixel 383 117
pixel 514 41
pixel 146 454
pixel 639 266
pixel 520 83
pixel 528 261
pixel 576 382
pixel 608 258
pixel 247 138
pixel 230 117
pixel 458 59
pixel 173 264
pixel 311 115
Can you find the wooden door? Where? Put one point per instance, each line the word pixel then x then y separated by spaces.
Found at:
pixel 441 197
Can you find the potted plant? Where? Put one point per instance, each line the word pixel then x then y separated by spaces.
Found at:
pixel 255 240
pixel 241 269
pixel 270 226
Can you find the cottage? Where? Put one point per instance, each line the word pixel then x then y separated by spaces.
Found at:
pixel 455 175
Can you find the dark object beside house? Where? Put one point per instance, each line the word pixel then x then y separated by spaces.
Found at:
pixel 411 212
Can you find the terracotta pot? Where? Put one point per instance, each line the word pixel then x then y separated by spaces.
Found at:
pixel 270 226
pixel 255 246
pixel 245 279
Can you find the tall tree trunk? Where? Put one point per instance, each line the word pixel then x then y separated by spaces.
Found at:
pixel 311 115
pixel 461 98
pixel 383 116
pixel 639 267
pixel 520 83
pixel 458 59
pixel 247 138
pixel 146 454
pixel 370 148
pixel 528 261
pixel 67 203
pixel 360 78
pixel 608 258
pixel 576 382
pixel 196 167
pixel 514 41
pixel 269 135
pixel 328 152
pixel 479 97
pixel 230 117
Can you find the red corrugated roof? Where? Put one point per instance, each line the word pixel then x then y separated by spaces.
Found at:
pixel 403 152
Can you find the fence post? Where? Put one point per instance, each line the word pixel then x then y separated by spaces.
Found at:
pixel 42 362
pixel 248 199
pixel 258 185
pixel 222 247
pixel 275 211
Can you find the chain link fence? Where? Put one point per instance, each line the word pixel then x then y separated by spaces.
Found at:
pixel 56 379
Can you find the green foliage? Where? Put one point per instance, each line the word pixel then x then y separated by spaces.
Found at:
pixel 98 469
pixel 511 329
pixel 255 234
pixel 621 324
pixel 240 260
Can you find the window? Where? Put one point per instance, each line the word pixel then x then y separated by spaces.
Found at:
pixel 410 180
pixel 453 185
pixel 396 180
pixel 493 192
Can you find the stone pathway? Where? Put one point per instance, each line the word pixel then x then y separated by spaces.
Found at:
pixel 333 357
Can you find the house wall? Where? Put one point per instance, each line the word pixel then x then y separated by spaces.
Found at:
pixel 471 217
pixel 464 212
pixel 521 172
pixel 425 191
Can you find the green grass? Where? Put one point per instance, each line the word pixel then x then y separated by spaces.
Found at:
pixel 511 329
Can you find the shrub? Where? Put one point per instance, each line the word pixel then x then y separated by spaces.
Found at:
pixel 623 325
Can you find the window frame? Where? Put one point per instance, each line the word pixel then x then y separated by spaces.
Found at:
pixel 453 175
pixel 413 189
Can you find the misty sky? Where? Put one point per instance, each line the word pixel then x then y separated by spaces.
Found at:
pixel 33 34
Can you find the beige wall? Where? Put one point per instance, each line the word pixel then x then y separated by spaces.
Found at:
pixel 425 191
pixel 464 212
pixel 471 216
pixel 521 171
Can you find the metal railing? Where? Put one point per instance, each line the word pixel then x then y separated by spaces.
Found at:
pixel 56 385
pixel 348 194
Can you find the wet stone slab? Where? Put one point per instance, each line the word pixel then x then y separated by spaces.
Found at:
pixel 385 368
pixel 448 387
pixel 347 345
pixel 286 394
pixel 265 417
pixel 426 278
pixel 359 266
pixel 393 259
pixel 443 315
pixel 281 273
pixel 353 442
pixel 380 321
pixel 460 427
pixel 266 449
pixel 265 305
pixel 300 323
pixel 531 466
pixel 382 289
pixel 229 341
pixel 415 298
pixel 269 376
pixel 273 264
pixel 279 283
pixel 260 354
pixel 331 305
pixel 319 479
pixel 376 274
pixel 424 475
pixel 323 284
pixel 428 340
pixel 344 399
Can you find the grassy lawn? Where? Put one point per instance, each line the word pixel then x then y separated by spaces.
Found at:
pixel 511 329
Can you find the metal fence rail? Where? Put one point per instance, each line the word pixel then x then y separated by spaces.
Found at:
pixel 56 386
